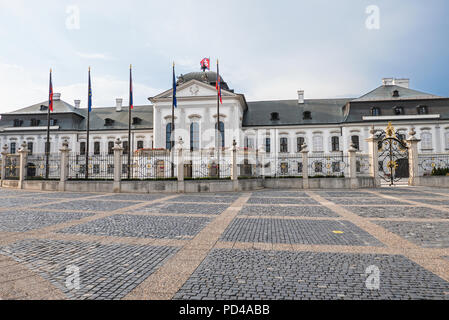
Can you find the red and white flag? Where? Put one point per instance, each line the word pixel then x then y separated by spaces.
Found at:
pixel 205 63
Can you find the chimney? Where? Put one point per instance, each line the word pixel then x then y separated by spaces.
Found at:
pixel 387 81
pixel 405 83
pixel 300 96
pixel 118 104
pixel 77 104
pixel 56 96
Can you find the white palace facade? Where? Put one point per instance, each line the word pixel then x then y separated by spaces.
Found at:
pixel 278 126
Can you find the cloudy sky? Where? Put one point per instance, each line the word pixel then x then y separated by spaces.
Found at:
pixel 267 49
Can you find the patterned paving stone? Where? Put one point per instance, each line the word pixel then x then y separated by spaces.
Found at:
pixel 398 212
pixel 340 194
pixel 298 231
pixel 22 201
pixel 425 234
pixel 90 205
pixel 254 274
pixel 365 201
pixel 142 227
pixel 62 195
pixel 191 208
pixel 434 201
pixel 192 198
pixel 132 197
pixel 25 220
pixel 279 193
pixel 318 211
pixel 106 271
pixel 268 200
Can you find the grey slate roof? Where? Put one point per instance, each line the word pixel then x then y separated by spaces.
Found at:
pixel 59 106
pixel 386 93
pixel 291 113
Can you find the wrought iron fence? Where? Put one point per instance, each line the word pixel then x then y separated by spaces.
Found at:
pixel 100 166
pixel 428 162
pixel 328 165
pixel 362 165
pixel 282 165
pixel 149 165
pixel 12 164
pixel 37 163
pixel 204 164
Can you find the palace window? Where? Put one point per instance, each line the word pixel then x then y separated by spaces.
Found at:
pixel 335 141
pixel 108 122
pixel 307 115
pixel 299 143
pixel 355 140
pixel 139 144
pixel 274 116
pixel 375 111
pixel 82 148
pixel 283 144
pixel 125 147
pixel 317 143
pixel 422 110
pixel 96 147
pixel 426 140
pixel 318 167
pixel 267 144
pixel 395 93
pixel 249 143
pixel 111 147
pixel 12 147
pixel 53 122
pixel 335 166
pixel 30 147
pixel 168 142
pixel 221 135
pixel 398 111
pixel 34 122
pixel 137 120
pixel 194 136
pixel 17 123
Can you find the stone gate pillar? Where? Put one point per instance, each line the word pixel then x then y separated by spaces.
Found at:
pixel 374 156
pixel 413 161
pixel 180 166
pixel 118 151
pixel 234 174
pixel 64 165
pixel 3 167
pixel 353 167
pixel 305 166
pixel 23 155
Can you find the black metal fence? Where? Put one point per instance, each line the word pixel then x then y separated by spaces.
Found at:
pixel 328 165
pixel 204 164
pixel 99 166
pixel 12 166
pixel 37 163
pixel 428 162
pixel 149 165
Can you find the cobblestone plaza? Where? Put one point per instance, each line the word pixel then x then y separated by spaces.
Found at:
pixel 267 244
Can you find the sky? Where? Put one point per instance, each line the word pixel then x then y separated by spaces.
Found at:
pixel 267 49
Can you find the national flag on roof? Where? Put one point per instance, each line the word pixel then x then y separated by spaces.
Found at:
pixel 50 95
pixel 130 88
pixel 89 98
pixel 218 84
pixel 175 102
pixel 205 64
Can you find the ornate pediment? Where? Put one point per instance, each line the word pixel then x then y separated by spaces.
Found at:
pixel 193 89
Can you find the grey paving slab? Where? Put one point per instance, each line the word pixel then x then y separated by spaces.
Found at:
pixel 434 201
pixel 105 271
pixel 190 208
pixel 398 212
pixel 269 200
pixel 365 201
pixel 340 194
pixel 283 275
pixel 132 197
pixel 62 195
pixel 425 234
pixel 90 205
pixel 298 231
pixel 22 201
pixel 192 198
pixel 279 193
pixel 142 227
pixel 24 220
pixel 298 211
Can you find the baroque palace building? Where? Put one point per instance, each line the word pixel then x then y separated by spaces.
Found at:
pixel 278 126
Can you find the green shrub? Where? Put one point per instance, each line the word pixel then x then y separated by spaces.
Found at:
pixel 440 172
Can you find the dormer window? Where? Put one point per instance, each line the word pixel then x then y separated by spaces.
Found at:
pixel 422 110
pixel 43 107
pixel 307 115
pixel 17 123
pixel 34 122
pixel 137 120
pixel 375 111
pixel 274 116
pixel 398 111
pixel 395 93
pixel 53 122
pixel 108 122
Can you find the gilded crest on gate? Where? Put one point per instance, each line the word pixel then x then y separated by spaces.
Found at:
pixel 389 131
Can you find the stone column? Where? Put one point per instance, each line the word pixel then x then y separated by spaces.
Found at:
pixel 64 165
pixel 352 167
pixel 234 175
pixel 23 154
pixel 413 161
pixel 180 166
pixel 373 156
pixel 261 161
pixel 3 168
pixel 305 166
pixel 118 151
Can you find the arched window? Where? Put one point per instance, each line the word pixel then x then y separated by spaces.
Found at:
pixel 317 143
pixel 194 136
pixel 168 142
pixel 221 136
pixel 426 140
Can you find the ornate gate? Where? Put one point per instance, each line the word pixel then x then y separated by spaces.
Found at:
pixel 393 155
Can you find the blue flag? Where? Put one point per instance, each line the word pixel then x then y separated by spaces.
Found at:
pixel 89 98
pixel 131 103
pixel 175 103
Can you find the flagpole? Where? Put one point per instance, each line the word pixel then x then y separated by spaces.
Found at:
pixel 47 144
pixel 172 131
pixel 129 122
pixel 88 129
pixel 218 132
